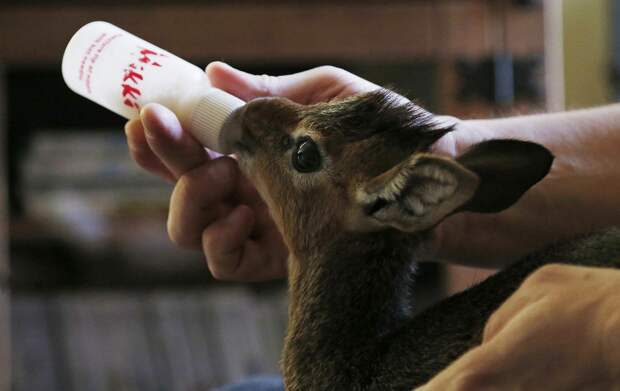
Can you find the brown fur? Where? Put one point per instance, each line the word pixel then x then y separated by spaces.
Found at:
pixel 350 316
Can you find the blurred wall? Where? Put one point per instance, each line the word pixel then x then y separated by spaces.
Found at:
pixel 587 52
pixel 5 347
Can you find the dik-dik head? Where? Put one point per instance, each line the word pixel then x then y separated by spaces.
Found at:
pixel 363 164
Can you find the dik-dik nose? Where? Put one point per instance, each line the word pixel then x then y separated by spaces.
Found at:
pixel 236 136
pixel 255 123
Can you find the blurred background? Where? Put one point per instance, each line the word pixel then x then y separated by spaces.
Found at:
pixel 95 297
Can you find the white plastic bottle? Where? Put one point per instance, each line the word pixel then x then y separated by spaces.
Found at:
pixel 124 73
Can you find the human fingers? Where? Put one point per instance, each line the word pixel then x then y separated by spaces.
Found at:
pixel 314 85
pixel 141 152
pixel 224 242
pixel 508 311
pixel 557 335
pixel 234 254
pixel 530 352
pixel 200 197
pixel 176 148
pixel 546 280
pixel 510 361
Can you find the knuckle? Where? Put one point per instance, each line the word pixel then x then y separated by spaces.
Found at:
pixel 490 328
pixel 471 380
pixel 177 234
pixel 552 269
pixel 217 274
pixel 178 225
pixel 217 269
pixel 141 158
pixel 209 245
pixel 193 184
pixel 208 240
pixel 266 85
pixel 218 265
pixel 333 73
pixel 183 189
pixel 133 126
pixel 331 70
pixel 545 274
pixel 214 272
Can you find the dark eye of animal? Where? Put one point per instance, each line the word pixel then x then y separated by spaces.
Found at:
pixel 306 157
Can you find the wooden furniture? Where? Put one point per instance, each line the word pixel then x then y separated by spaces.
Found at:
pixel 275 32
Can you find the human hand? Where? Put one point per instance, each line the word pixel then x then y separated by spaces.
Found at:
pixel 559 331
pixel 213 206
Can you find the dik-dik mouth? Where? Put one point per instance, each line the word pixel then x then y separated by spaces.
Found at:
pixel 231 134
pixel 243 147
pixel 235 138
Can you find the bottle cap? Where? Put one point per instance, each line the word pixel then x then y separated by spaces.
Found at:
pixel 213 117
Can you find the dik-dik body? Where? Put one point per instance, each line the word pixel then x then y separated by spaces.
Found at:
pixel 356 193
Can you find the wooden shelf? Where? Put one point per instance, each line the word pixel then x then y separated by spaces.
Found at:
pixel 277 31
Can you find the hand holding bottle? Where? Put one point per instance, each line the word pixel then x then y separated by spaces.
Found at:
pixel 213 206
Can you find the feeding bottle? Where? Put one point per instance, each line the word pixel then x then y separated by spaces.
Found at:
pixel 124 73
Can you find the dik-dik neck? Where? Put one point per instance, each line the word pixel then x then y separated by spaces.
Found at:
pixel 344 299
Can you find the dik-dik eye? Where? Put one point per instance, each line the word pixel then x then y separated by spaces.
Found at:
pixel 306 156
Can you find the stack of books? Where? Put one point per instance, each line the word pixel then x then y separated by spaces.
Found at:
pixel 172 341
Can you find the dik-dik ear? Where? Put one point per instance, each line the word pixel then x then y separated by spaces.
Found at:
pixel 420 192
pixel 417 193
pixel 507 169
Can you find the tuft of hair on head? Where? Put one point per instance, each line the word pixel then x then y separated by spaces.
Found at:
pixel 379 112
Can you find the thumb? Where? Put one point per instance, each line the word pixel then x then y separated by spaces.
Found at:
pixel 241 84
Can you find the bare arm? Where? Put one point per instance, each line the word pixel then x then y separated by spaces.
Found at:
pixel 581 193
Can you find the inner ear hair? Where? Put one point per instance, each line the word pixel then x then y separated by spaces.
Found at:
pixel 418 193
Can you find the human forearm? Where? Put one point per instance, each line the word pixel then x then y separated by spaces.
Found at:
pixel 579 195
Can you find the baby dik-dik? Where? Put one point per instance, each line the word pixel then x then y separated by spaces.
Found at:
pixel 355 192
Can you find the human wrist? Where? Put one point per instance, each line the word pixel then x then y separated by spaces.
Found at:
pixel 464 134
pixel 452 143
pixel 580 193
pixel 545 214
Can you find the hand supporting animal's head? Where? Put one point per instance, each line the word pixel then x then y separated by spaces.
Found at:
pixel 364 164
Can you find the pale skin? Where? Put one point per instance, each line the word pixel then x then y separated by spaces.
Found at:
pixel 559 331
pixel 215 209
